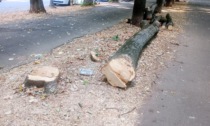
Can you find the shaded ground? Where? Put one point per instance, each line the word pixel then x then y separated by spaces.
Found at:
pixel 181 96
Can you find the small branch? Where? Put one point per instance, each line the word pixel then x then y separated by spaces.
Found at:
pixel 127 112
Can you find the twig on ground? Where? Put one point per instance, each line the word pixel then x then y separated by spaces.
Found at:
pixel 127 112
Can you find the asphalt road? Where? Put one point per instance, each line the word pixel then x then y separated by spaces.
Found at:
pixel 181 96
pixel 19 40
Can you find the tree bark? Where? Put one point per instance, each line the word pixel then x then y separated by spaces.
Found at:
pixel 169 21
pixel 173 1
pixel 168 3
pixel 36 6
pixel 159 6
pixel 138 12
pixel 150 12
pixel 115 1
pixel 87 2
pixel 51 4
pixel 122 65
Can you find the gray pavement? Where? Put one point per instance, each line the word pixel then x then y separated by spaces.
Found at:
pixel 19 40
pixel 182 94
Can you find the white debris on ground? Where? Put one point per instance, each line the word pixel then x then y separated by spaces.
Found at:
pixel 87 100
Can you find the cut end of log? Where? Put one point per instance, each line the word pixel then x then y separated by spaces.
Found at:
pixel 119 72
pixel 170 27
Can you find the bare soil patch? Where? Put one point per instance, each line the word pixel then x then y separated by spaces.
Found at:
pixel 87 100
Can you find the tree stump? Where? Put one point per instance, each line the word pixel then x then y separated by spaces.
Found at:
pixel 43 77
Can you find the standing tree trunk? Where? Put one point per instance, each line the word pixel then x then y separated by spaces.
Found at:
pixel 36 6
pixel 159 6
pixel 116 1
pixel 173 1
pixel 52 4
pixel 138 12
pixel 168 3
pixel 87 2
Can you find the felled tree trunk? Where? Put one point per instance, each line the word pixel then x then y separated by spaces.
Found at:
pixel 36 6
pixel 138 12
pixel 169 21
pixel 159 6
pixel 122 65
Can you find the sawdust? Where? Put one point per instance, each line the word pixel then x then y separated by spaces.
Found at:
pixel 87 100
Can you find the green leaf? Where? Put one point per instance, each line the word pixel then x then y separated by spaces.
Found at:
pixel 115 38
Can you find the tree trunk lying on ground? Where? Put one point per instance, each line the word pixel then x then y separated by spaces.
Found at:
pixel 120 70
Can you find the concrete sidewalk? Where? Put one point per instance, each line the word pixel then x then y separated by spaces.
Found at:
pixel 181 96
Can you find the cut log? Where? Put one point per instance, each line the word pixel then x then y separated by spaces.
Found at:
pixel 163 20
pixel 120 70
pixel 144 24
pixel 156 19
pixel 169 22
pixel 163 25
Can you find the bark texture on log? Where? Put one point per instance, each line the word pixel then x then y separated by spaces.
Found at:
pixel 144 24
pixel 169 21
pixel 36 6
pixel 122 65
pixel 138 12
